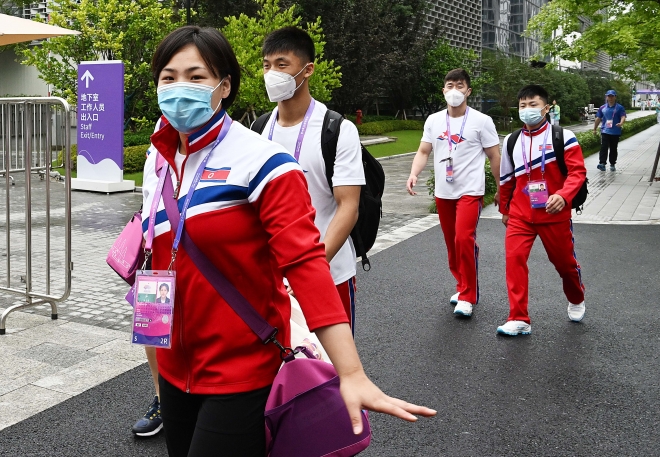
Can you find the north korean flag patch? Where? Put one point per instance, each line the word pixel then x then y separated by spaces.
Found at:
pixel 216 174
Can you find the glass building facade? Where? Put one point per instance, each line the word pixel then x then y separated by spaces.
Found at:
pixel 460 21
pixel 504 23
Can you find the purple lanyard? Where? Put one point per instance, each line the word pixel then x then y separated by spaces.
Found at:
pixel 159 190
pixel 460 135
pixel 528 169
pixel 303 128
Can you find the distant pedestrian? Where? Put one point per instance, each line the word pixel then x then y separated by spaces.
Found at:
pixel 612 115
pixel 555 113
pixel 657 112
pixel 461 139
pixel 536 201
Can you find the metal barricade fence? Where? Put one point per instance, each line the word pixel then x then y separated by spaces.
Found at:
pixel 35 134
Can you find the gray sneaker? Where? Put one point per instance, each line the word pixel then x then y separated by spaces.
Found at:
pixel 612 168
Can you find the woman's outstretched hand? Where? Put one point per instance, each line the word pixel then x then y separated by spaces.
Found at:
pixel 360 393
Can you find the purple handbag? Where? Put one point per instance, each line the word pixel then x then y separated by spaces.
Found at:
pixel 305 413
pixel 126 254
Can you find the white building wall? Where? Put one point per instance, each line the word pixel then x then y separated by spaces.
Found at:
pixel 18 79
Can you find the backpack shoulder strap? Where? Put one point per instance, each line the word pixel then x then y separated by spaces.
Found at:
pixel 329 139
pixel 259 125
pixel 511 143
pixel 558 147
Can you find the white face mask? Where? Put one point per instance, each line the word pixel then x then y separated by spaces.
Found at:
pixel 454 97
pixel 281 86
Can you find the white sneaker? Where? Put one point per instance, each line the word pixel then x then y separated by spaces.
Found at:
pixel 463 308
pixel 514 328
pixel 576 312
pixel 454 299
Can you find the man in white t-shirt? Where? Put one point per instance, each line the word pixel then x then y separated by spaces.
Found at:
pixel 296 124
pixel 461 138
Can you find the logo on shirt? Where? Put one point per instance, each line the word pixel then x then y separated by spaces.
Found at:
pixel 215 174
pixel 548 148
pixel 455 139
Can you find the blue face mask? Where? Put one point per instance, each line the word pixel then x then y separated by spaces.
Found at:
pixel 187 106
pixel 531 116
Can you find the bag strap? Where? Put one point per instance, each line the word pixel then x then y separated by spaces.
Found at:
pixel 511 144
pixel 220 283
pixel 558 146
pixel 259 125
pixel 329 140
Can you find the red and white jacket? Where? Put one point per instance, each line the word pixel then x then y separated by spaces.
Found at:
pixel 252 216
pixel 514 200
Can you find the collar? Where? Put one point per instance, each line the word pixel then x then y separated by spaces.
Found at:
pixel 166 139
pixel 537 130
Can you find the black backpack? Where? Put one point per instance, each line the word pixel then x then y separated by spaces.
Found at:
pixel 558 146
pixel 370 209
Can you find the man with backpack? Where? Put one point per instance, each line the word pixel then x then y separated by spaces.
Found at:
pixel 542 176
pixel 461 138
pixel 297 124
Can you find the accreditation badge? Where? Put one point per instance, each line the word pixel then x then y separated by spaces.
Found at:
pixel 609 123
pixel 538 193
pixel 449 170
pixel 153 308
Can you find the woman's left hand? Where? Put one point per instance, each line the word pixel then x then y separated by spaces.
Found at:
pixel 360 393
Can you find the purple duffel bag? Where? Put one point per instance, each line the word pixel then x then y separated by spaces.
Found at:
pixel 306 415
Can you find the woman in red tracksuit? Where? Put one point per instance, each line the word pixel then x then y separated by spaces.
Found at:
pixel 251 214
pixel 535 200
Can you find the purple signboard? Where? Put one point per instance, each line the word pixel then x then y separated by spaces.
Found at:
pixel 101 121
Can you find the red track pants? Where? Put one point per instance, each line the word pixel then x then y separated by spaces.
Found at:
pixel 558 242
pixel 458 220
pixel 347 293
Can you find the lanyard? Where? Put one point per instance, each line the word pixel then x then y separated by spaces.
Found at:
pixel 528 169
pixel 301 133
pixel 613 112
pixel 159 190
pixel 460 135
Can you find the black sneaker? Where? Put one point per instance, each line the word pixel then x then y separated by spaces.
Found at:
pixel 151 423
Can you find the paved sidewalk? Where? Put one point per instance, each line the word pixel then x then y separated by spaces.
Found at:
pixel 46 362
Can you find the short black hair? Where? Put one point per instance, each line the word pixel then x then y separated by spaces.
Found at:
pixel 531 91
pixel 290 39
pixel 458 74
pixel 212 46
pixel 165 285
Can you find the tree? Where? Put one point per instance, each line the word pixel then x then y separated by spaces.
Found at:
pixel 439 60
pixel 569 89
pixel 600 82
pixel 629 31
pixel 507 76
pixel 111 30
pixel 246 35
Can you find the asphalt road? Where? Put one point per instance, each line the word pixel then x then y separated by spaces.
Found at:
pixel 586 389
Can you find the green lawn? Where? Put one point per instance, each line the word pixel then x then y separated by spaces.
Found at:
pixel 407 141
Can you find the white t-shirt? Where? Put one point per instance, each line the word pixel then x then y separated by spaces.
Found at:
pixel 348 172
pixel 467 154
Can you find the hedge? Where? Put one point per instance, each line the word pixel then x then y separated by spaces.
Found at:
pixel 137 138
pixel 381 127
